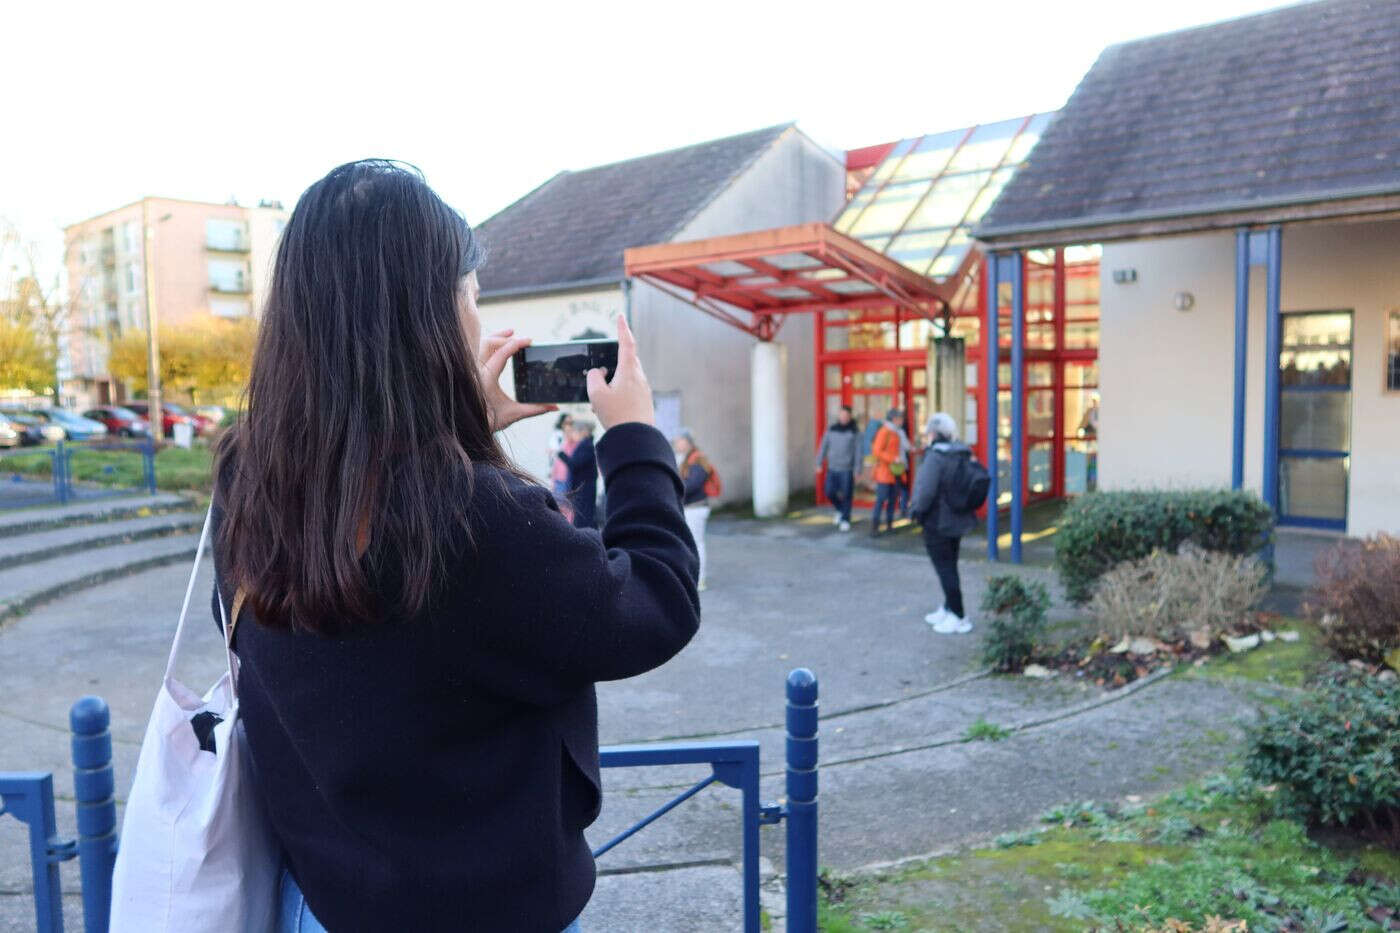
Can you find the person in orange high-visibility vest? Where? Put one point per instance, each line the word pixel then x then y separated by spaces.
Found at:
pixel 888 454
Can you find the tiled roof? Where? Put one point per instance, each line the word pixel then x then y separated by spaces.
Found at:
pixel 1292 105
pixel 574 227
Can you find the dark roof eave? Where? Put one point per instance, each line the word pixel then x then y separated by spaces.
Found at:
pixel 551 289
pixel 1190 219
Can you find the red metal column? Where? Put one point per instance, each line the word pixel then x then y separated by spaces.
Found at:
pixel 1057 448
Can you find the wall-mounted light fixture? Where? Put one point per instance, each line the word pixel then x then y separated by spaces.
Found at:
pixel 1124 276
pixel 1184 301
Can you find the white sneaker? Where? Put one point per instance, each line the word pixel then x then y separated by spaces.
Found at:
pixel 948 625
pixel 836 519
pixel 844 526
pixel 960 626
pixel 935 618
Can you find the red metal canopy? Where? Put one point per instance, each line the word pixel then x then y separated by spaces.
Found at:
pixel 753 280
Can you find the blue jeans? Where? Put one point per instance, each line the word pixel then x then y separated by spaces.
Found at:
pixel 840 485
pixel 294 916
pixel 884 498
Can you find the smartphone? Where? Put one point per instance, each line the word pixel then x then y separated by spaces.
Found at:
pixel 558 372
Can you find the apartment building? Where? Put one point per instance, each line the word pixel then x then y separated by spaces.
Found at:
pixel 206 259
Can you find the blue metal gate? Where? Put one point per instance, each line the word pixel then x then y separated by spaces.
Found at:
pixel 28 796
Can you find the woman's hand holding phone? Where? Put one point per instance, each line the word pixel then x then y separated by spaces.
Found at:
pixel 627 396
pixel 496 351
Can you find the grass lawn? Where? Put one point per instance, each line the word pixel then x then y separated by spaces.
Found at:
pixel 177 469
pixel 1212 849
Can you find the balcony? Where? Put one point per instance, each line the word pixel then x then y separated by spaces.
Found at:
pixel 109 256
pixel 225 244
pixel 231 288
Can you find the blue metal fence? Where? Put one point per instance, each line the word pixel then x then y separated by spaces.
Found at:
pixel 28 796
pixel 20 488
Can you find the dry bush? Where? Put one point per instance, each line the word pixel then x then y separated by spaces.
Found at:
pixel 1357 598
pixel 1165 596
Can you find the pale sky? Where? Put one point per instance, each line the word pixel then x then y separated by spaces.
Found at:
pixel 105 103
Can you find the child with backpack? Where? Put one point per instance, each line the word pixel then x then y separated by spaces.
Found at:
pixel 702 483
pixel 951 486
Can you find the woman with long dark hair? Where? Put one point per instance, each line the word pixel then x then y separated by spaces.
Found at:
pixel 418 629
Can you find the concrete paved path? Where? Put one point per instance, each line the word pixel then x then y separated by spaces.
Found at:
pixel 896 781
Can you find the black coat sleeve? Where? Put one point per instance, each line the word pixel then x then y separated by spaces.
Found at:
pixel 550 608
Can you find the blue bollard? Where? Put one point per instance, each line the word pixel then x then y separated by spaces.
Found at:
pixel 93 789
pixel 60 463
pixel 802 801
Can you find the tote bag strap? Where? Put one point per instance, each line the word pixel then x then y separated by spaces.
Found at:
pixel 178 644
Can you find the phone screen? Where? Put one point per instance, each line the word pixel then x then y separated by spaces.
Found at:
pixel 557 372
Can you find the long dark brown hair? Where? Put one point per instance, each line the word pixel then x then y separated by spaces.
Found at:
pixel 365 408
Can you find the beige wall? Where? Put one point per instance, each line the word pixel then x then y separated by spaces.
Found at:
pixel 1166 377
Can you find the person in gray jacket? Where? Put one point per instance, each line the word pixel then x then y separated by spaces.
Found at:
pixel 840 451
pixel 943 525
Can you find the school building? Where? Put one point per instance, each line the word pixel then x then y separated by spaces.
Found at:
pixel 1189 275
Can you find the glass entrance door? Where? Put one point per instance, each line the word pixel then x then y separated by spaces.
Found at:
pixel 1314 455
pixel 872 388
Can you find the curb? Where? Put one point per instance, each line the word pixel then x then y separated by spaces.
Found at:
pixel 11 609
pixel 120 513
pixel 101 541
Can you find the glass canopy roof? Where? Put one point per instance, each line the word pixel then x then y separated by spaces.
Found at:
pixel 921 202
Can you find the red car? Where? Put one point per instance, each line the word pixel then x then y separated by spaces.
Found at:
pixel 122 422
pixel 170 415
pixel 202 425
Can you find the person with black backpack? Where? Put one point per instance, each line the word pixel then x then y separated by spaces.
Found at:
pixel 950 487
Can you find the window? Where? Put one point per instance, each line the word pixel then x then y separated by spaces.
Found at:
pixel 1392 351
pixel 130 277
pixel 221 234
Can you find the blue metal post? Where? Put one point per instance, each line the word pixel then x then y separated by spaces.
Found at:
pixel 60 470
pixel 150 457
pixel 93 789
pixel 28 797
pixel 1273 336
pixel 1241 354
pixel 802 801
pixel 991 351
pixel 1018 400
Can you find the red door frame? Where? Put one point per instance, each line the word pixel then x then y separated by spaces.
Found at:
pixel 913 359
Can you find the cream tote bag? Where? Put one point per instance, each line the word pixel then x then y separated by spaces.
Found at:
pixel 196 851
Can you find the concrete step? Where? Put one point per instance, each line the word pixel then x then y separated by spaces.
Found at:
pixel 27 585
pixel 24 521
pixel 67 539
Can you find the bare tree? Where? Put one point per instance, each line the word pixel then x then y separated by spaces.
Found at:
pixel 33 296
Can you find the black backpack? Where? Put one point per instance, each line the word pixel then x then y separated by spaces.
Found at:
pixel 965 488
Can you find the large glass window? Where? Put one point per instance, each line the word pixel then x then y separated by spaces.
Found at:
pixel 1314 419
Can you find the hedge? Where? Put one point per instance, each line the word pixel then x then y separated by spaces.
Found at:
pixel 1100 530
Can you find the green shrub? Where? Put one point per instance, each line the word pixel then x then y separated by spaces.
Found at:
pixel 1335 754
pixel 1015 622
pixel 1357 598
pixel 1167 596
pixel 1100 530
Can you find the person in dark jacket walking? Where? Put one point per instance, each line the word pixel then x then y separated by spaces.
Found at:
pixel 582 463
pixel 840 452
pixel 943 525
pixel 417 629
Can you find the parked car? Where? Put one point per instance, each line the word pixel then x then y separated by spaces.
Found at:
pixel 31 432
pixel 47 428
pixel 120 421
pixel 214 413
pixel 170 415
pixel 73 427
pixel 202 423
pixel 11 435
